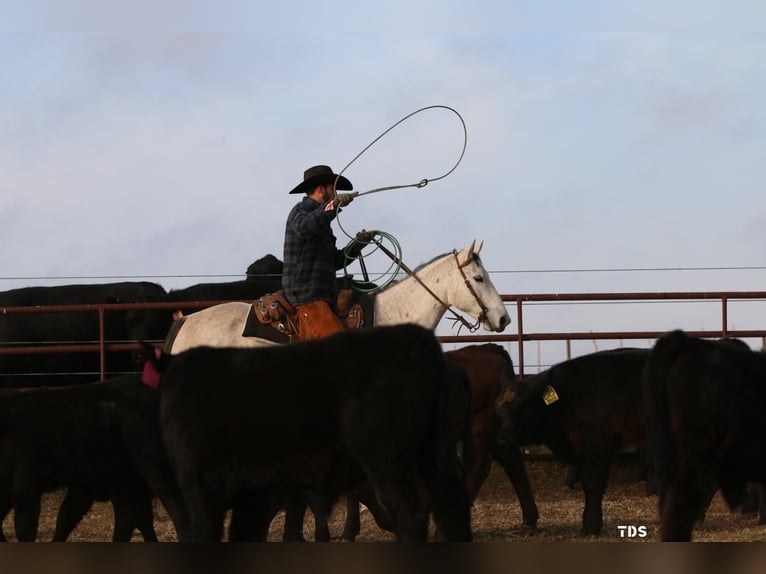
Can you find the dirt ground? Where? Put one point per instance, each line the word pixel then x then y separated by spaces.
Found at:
pixel 496 516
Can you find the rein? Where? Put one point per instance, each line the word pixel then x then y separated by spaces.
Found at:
pixel 457 318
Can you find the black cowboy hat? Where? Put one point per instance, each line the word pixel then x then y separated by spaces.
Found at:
pixel 320 175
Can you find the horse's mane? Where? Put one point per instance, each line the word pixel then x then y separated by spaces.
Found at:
pixel 418 268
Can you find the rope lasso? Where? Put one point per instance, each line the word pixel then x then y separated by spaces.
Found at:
pixel 425 181
pixel 419 184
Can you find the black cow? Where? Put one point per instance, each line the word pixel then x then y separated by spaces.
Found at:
pixel 584 410
pixel 460 403
pixel 706 402
pixel 101 441
pixel 267 265
pixel 50 369
pixel 263 276
pixel 237 422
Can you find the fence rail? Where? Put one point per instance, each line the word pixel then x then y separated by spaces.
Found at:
pixel 519 301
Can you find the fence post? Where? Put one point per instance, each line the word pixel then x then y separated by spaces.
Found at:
pixel 520 323
pixel 101 342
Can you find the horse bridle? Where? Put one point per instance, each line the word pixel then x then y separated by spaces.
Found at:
pixel 484 310
pixel 456 317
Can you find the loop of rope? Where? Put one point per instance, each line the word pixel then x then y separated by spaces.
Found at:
pixel 393 269
pixel 418 185
pixel 423 182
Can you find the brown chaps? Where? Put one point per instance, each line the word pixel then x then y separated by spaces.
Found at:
pixel 316 320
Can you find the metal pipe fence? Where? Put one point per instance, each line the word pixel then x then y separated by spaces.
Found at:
pixel 521 303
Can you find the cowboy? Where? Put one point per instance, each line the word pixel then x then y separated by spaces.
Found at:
pixel 310 253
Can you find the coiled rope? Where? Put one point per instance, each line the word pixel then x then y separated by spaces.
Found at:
pixel 377 283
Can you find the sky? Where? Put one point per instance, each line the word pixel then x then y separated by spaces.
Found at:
pixel 611 146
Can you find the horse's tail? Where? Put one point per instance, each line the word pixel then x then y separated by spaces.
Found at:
pixel 175 327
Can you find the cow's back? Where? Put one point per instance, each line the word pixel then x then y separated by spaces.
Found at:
pixel 237 420
pixel 223 403
pixel 76 327
pixel 710 389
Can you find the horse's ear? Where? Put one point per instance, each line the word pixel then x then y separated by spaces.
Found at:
pixel 467 253
pixel 478 248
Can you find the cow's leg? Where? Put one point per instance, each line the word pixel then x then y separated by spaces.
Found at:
pixel 26 517
pixel 132 506
pixel 451 507
pixel 296 503
pixel 680 504
pixel 206 508
pixel 483 439
pixel 5 508
pixel 321 509
pixel 75 505
pixel 151 461
pixel 707 488
pixel 408 497
pixel 761 491
pixel 365 494
pixel 573 476
pixel 382 516
pixel 353 524
pixel 750 500
pixel 155 469
pixel 295 513
pixel 251 514
pixel 512 461
pixel 595 475
pixel 144 520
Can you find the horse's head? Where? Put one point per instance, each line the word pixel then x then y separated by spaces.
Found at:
pixel 476 294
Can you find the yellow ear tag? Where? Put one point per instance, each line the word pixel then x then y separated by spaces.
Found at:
pixel 550 396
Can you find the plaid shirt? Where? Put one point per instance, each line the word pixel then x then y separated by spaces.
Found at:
pixel 310 256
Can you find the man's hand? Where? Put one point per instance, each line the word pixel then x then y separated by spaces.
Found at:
pixel 365 236
pixel 343 199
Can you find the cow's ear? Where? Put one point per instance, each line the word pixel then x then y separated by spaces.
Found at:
pixel 153 354
pixel 504 398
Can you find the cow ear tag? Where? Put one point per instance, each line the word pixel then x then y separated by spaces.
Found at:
pixel 549 395
pixel 151 376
